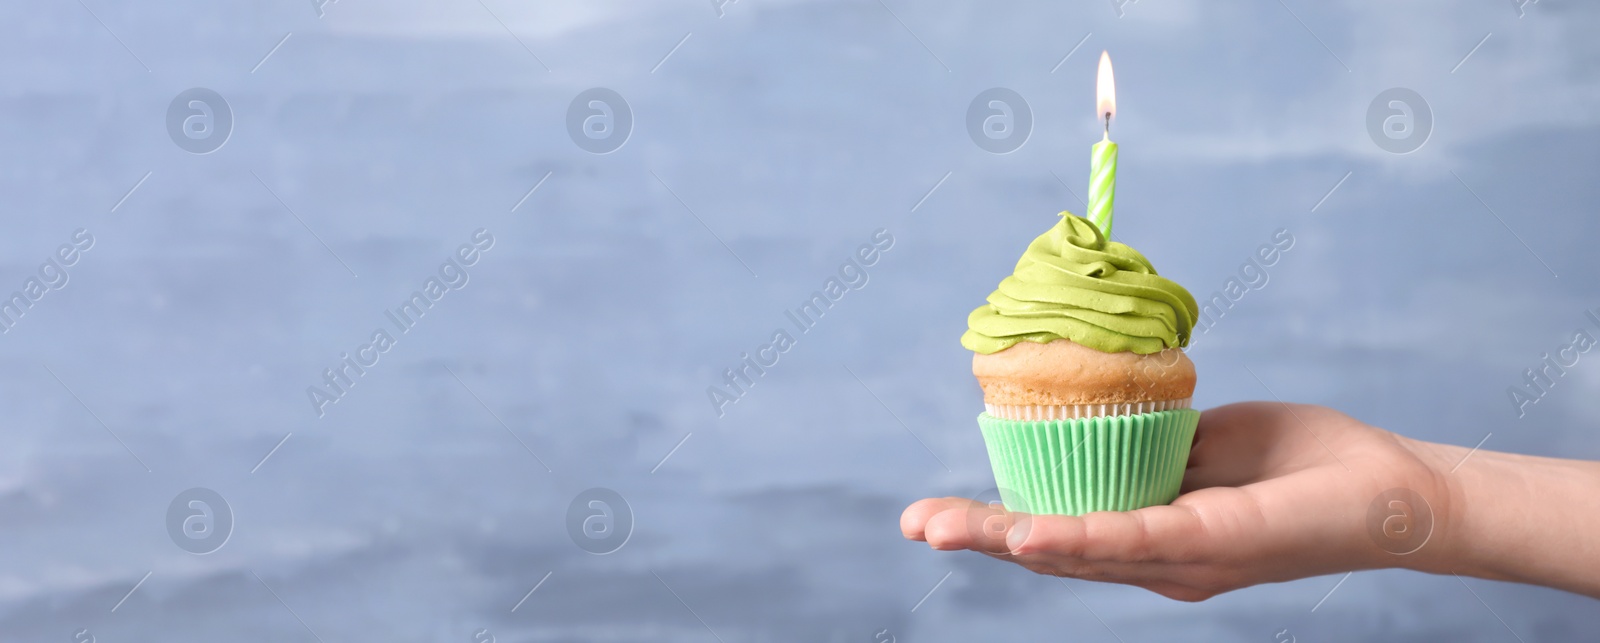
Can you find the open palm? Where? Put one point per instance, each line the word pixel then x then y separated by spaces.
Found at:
pixel 1273 492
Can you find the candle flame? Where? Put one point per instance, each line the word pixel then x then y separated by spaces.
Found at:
pixel 1105 92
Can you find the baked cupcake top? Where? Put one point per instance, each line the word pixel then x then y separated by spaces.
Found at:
pixel 1074 284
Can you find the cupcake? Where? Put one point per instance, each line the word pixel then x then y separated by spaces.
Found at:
pixel 1086 388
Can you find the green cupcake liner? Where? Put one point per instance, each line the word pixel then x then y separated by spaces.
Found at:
pixel 1073 467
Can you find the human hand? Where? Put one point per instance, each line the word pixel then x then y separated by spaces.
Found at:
pixel 1273 492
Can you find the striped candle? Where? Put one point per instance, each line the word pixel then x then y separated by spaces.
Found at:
pixel 1102 185
pixel 1103 161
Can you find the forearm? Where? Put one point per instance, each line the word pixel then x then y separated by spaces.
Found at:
pixel 1518 518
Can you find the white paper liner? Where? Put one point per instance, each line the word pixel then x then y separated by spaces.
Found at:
pixel 1075 411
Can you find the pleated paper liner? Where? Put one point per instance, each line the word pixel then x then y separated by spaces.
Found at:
pixel 1075 411
pixel 1082 465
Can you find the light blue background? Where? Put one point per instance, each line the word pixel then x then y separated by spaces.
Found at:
pixel 790 130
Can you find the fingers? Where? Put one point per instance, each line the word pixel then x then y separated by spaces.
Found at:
pixel 1164 549
pixel 1197 478
pixel 1153 534
pixel 975 526
pixel 1237 444
pixel 958 523
pixel 1220 428
pixel 914 520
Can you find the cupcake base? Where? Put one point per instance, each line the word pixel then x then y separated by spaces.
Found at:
pixel 1077 466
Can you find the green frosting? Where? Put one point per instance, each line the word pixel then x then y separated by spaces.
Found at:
pixel 1074 284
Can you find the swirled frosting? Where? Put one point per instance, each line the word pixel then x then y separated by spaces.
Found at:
pixel 1072 283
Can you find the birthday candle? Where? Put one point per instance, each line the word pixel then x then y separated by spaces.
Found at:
pixel 1103 159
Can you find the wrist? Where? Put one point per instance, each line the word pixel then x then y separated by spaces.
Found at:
pixel 1439 485
pixel 1510 517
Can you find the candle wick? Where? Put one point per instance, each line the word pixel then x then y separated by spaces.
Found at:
pixel 1107 135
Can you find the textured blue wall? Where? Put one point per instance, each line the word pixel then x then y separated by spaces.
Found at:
pixel 421 496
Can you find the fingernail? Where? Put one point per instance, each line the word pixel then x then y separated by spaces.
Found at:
pixel 1015 539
